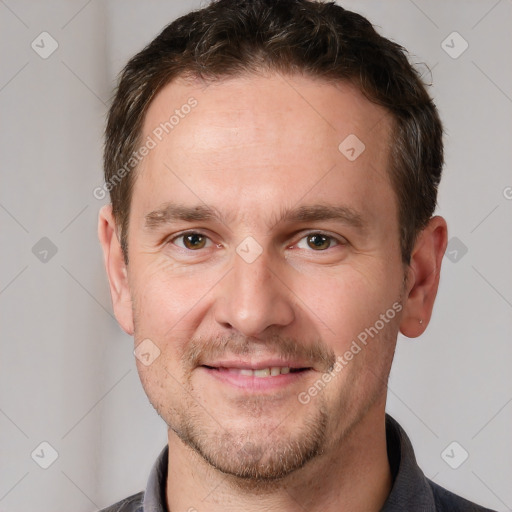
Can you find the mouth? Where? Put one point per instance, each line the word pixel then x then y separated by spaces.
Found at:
pixel 256 378
pixel 270 371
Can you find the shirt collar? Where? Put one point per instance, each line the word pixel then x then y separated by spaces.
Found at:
pixel 154 497
pixel 410 490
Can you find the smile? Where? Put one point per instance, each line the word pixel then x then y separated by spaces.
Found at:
pixel 265 379
pixel 260 372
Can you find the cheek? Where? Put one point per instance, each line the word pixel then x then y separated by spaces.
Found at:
pixel 162 386
pixel 169 307
pixel 348 301
pixel 162 297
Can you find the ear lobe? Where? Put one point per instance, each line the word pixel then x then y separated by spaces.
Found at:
pixel 423 277
pixel 117 271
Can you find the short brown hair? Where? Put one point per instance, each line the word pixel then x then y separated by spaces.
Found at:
pixel 229 38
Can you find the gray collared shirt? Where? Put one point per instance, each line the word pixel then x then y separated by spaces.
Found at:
pixel 411 491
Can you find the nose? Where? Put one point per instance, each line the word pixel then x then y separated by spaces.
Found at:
pixel 253 298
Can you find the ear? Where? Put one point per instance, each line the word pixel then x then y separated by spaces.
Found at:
pixel 116 269
pixel 423 277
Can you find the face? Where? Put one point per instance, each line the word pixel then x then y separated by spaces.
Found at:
pixel 260 254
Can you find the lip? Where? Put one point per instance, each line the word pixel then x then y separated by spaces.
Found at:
pixel 258 365
pixel 250 383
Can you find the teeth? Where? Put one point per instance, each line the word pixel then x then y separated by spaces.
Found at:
pixel 263 372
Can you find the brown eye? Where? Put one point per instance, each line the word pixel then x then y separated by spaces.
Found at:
pixel 192 241
pixel 318 241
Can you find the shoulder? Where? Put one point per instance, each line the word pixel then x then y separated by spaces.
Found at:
pixel 447 501
pixel 130 504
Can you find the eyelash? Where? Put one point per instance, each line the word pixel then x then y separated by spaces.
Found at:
pixel 338 242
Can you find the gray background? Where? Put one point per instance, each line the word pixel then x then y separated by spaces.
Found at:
pixel 67 370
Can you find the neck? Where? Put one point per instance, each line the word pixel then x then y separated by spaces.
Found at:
pixel 353 475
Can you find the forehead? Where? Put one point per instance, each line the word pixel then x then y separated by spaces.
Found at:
pixel 273 136
pixel 262 108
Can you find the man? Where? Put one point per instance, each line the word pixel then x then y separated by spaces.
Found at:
pixel 273 169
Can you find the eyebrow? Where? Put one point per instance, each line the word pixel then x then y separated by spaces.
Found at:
pixel 316 212
pixel 171 212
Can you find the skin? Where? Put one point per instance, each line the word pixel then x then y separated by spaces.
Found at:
pixel 253 147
